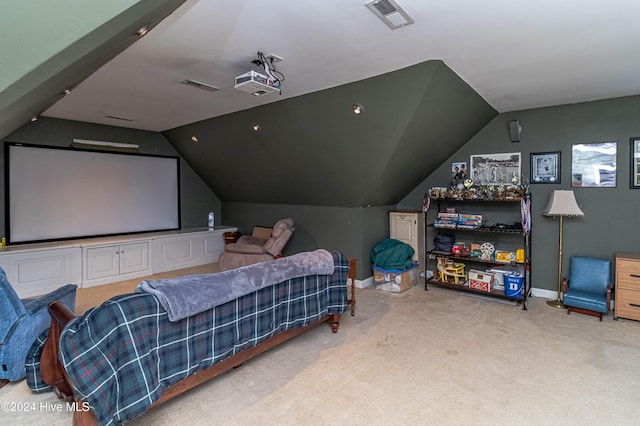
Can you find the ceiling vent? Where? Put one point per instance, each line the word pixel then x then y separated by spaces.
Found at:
pixel 115 117
pixel 390 13
pixel 200 85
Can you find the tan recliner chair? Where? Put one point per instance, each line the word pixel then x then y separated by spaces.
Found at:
pixel 249 249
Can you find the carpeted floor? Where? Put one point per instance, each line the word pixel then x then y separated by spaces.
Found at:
pixel 419 357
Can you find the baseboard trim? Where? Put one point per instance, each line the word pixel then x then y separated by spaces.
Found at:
pixel 367 282
pixel 544 293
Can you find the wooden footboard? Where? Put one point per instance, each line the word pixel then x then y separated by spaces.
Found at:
pixel 55 376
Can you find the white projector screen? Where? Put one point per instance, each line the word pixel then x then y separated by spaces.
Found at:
pixel 56 193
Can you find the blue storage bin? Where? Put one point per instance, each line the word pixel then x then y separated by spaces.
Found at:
pixel 513 286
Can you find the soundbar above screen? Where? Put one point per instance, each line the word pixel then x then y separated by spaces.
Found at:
pixel 54 193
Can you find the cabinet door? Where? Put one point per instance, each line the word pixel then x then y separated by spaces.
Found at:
pixel 102 262
pixel 34 273
pixel 134 257
pixel 404 227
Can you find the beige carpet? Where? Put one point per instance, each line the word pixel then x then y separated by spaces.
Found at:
pixel 415 358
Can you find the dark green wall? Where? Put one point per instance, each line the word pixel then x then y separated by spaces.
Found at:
pixel 352 231
pixel 196 198
pixel 313 150
pixel 611 215
pixel 335 173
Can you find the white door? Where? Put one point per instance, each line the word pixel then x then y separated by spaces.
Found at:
pixel 406 227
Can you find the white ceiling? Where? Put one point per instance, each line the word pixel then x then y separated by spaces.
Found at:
pixel 516 54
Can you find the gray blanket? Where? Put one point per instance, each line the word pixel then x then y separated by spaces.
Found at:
pixel 185 296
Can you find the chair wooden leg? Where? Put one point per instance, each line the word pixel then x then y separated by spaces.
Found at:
pixel 584 311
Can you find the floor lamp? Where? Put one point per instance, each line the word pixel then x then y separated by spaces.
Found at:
pixel 561 204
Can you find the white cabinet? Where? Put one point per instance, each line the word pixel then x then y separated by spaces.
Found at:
pixel 186 250
pixel 408 227
pixel 35 269
pixel 214 246
pixel 110 263
pixel 35 272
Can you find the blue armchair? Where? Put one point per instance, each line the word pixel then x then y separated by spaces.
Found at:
pixel 21 321
pixel 587 289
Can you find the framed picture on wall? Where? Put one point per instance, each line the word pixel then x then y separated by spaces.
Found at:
pixel 545 167
pixel 593 165
pixel 495 169
pixel 635 163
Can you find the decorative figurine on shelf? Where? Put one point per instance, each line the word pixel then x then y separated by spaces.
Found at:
pixel 514 179
pixel 524 186
pixel 489 192
pixel 470 194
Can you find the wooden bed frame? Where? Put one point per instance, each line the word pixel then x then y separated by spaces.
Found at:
pixel 54 375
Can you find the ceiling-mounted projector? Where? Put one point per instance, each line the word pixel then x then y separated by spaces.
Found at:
pixel 256 83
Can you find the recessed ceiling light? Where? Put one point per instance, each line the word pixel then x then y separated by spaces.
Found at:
pixel 194 138
pixel 357 109
pixel 256 127
pixel 142 31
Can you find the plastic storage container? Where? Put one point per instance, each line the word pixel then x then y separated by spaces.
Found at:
pixel 513 285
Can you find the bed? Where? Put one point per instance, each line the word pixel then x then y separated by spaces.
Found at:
pixel 121 358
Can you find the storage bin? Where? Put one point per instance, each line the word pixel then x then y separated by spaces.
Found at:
pixel 395 280
pixel 513 285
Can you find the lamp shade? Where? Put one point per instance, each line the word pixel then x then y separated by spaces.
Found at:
pixel 562 203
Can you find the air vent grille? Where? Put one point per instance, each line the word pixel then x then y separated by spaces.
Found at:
pixel 384 7
pixel 390 13
pixel 115 117
pixel 200 85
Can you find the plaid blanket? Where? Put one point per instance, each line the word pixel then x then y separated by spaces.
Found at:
pixel 32 364
pixel 122 355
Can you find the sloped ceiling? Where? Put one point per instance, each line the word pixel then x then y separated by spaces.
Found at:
pixel 313 150
pixel 65 43
pixel 516 55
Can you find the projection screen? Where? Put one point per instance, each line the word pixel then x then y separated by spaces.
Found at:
pixel 54 193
